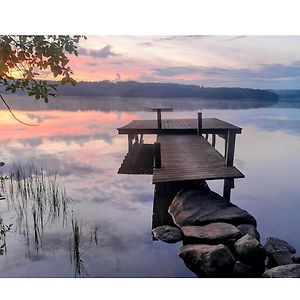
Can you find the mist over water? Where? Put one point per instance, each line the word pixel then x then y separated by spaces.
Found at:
pixel 108 223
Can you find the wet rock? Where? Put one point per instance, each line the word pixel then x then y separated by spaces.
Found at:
pixel 249 229
pixel 213 233
pixel 167 234
pixel 274 244
pixel 208 260
pixel 242 270
pixel 287 271
pixel 296 259
pixel 279 258
pixel 196 207
pixel 250 250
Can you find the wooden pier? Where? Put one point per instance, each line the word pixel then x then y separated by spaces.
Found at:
pixel 191 157
pixel 182 151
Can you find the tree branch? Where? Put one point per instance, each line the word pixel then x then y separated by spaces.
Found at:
pixel 17 119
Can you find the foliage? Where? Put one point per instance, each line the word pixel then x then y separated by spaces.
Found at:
pixel 3 230
pixel 163 90
pixel 24 58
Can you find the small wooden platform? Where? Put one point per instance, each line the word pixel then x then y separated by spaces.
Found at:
pixel 191 157
pixel 178 126
pixel 139 160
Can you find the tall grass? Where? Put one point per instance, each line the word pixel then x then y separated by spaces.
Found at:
pixel 75 240
pixel 37 199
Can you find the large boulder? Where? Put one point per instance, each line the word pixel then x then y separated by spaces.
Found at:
pixel 208 260
pixel 249 229
pixel 287 271
pixel 214 233
pixel 250 250
pixel 296 259
pixel 167 234
pixel 242 270
pixel 274 244
pixel 279 258
pixel 196 207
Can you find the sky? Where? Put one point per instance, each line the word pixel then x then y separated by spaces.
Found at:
pixel 268 62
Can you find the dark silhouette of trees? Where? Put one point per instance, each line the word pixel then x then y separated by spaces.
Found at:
pixel 162 90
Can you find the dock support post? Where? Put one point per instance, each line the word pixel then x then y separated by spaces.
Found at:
pixel 213 141
pixel 130 138
pixel 159 120
pixel 206 136
pixel 199 128
pixel 228 185
pixel 229 150
pixel 157 155
pixel 141 139
pixel 136 139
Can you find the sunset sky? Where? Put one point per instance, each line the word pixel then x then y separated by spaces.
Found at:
pixel 244 61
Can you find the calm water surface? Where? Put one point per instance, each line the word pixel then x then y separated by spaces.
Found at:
pixel 77 138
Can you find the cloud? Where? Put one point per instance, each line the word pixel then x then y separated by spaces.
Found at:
pixel 236 38
pixel 146 44
pixel 180 37
pixel 264 72
pixel 174 71
pixel 118 77
pixel 102 53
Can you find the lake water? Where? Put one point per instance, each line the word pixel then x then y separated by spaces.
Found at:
pixel 103 229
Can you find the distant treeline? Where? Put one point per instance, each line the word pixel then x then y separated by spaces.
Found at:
pixel 290 95
pixel 161 90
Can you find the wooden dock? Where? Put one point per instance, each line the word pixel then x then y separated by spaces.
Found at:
pixel 178 126
pixel 182 151
pixel 191 157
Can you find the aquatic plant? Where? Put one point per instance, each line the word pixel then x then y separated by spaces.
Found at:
pixel 37 198
pixel 40 201
pixel 3 230
pixel 75 240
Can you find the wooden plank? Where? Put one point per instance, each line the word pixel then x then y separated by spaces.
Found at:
pixel 191 157
pixel 180 126
pixel 139 160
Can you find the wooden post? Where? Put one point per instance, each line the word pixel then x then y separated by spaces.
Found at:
pixel 229 150
pixel 199 128
pixel 159 120
pixel 206 136
pixel 213 141
pixel 136 138
pixel 228 185
pixel 157 155
pixel 130 138
pixel 141 139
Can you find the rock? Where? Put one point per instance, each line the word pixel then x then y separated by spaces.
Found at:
pixel 242 270
pixel 273 244
pixel 196 207
pixel 208 260
pixel 250 229
pixel 279 258
pixel 287 271
pixel 167 234
pixel 296 259
pixel 250 250
pixel 214 233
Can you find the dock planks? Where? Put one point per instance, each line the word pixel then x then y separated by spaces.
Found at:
pixel 191 157
pixel 178 126
pixel 139 160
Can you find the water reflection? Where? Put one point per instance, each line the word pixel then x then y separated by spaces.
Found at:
pixel 113 104
pixel 78 139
